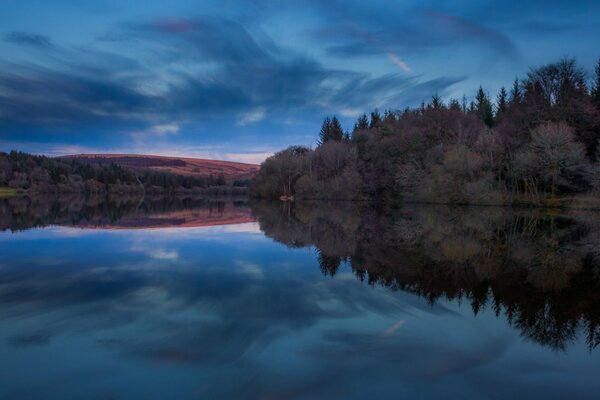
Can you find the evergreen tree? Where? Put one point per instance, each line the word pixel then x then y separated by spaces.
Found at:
pixel 325 131
pixel 331 130
pixel 362 123
pixel 336 133
pixel 436 102
pixel 516 96
pixel 502 100
pixel 375 119
pixel 596 88
pixel 454 104
pixel 483 107
pixel 501 103
pixel 389 117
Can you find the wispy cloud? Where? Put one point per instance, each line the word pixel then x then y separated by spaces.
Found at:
pixel 251 117
pixel 260 71
pixel 161 254
pixel 157 131
pixel 29 39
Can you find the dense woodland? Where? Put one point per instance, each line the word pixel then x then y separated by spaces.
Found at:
pixel 534 143
pixel 35 174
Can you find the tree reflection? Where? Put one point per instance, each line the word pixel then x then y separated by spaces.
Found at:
pixel 114 212
pixel 540 270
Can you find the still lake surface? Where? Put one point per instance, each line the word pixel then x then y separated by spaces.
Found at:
pixel 206 299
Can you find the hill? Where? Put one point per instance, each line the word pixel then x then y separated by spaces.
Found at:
pixel 174 165
pixel 22 173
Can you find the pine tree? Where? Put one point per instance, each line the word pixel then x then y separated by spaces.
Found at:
pixel 454 104
pixel 362 123
pixel 325 131
pixel 436 101
pixel 483 107
pixel 331 130
pixel 502 100
pixel 515 94
pixel 336 133
pixel 389 116
pixel 471 107
pixel 375 119
pixel 596 88
pixel 501 103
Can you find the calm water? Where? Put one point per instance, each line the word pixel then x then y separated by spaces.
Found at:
pixel 201 300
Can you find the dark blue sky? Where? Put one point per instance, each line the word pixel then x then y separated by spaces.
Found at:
pixel 240 79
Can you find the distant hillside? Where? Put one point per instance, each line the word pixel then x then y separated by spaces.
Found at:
pixel 174 165
pixel 22 173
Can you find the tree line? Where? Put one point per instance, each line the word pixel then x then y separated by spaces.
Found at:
pixel 41 174
pixel 534 143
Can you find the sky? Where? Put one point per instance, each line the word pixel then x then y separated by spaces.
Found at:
pixel 239 80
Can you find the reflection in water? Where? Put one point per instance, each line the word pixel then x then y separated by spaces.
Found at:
pixel 541 271
pixel 19 213
pixel 226 312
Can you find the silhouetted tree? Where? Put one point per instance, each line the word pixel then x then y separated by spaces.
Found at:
pixel 375 119
pixel 483 107
pixel 337 133
pixel 596 88
pixel 516 96
pixel 526 150
pixel 454 104
pixel 501 103
pixel 362 123
pixel 331 130
pixel 558 83
pixel 436 102
pixel 557 92
pixel 325 132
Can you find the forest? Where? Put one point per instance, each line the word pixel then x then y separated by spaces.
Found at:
pixel 35 174
pixel 535 143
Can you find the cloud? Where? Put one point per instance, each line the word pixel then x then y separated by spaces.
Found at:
pixel 37 96
pixel 424 31
pixel 253 270
pixel 29 340
pixel 231 74
pixel 157 131
pixel 191 71
pixel 392 329
pixel 393 90
pixel 398 61
pixel 251 117
pixel 174 25
pixel 459 28
pixel 215 78
pixel 28 39
pixel 161 254
pixel 251 158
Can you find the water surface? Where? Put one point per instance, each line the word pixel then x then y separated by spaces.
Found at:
pixel 206 299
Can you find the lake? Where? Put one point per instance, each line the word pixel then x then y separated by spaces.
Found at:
pixel 203 299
